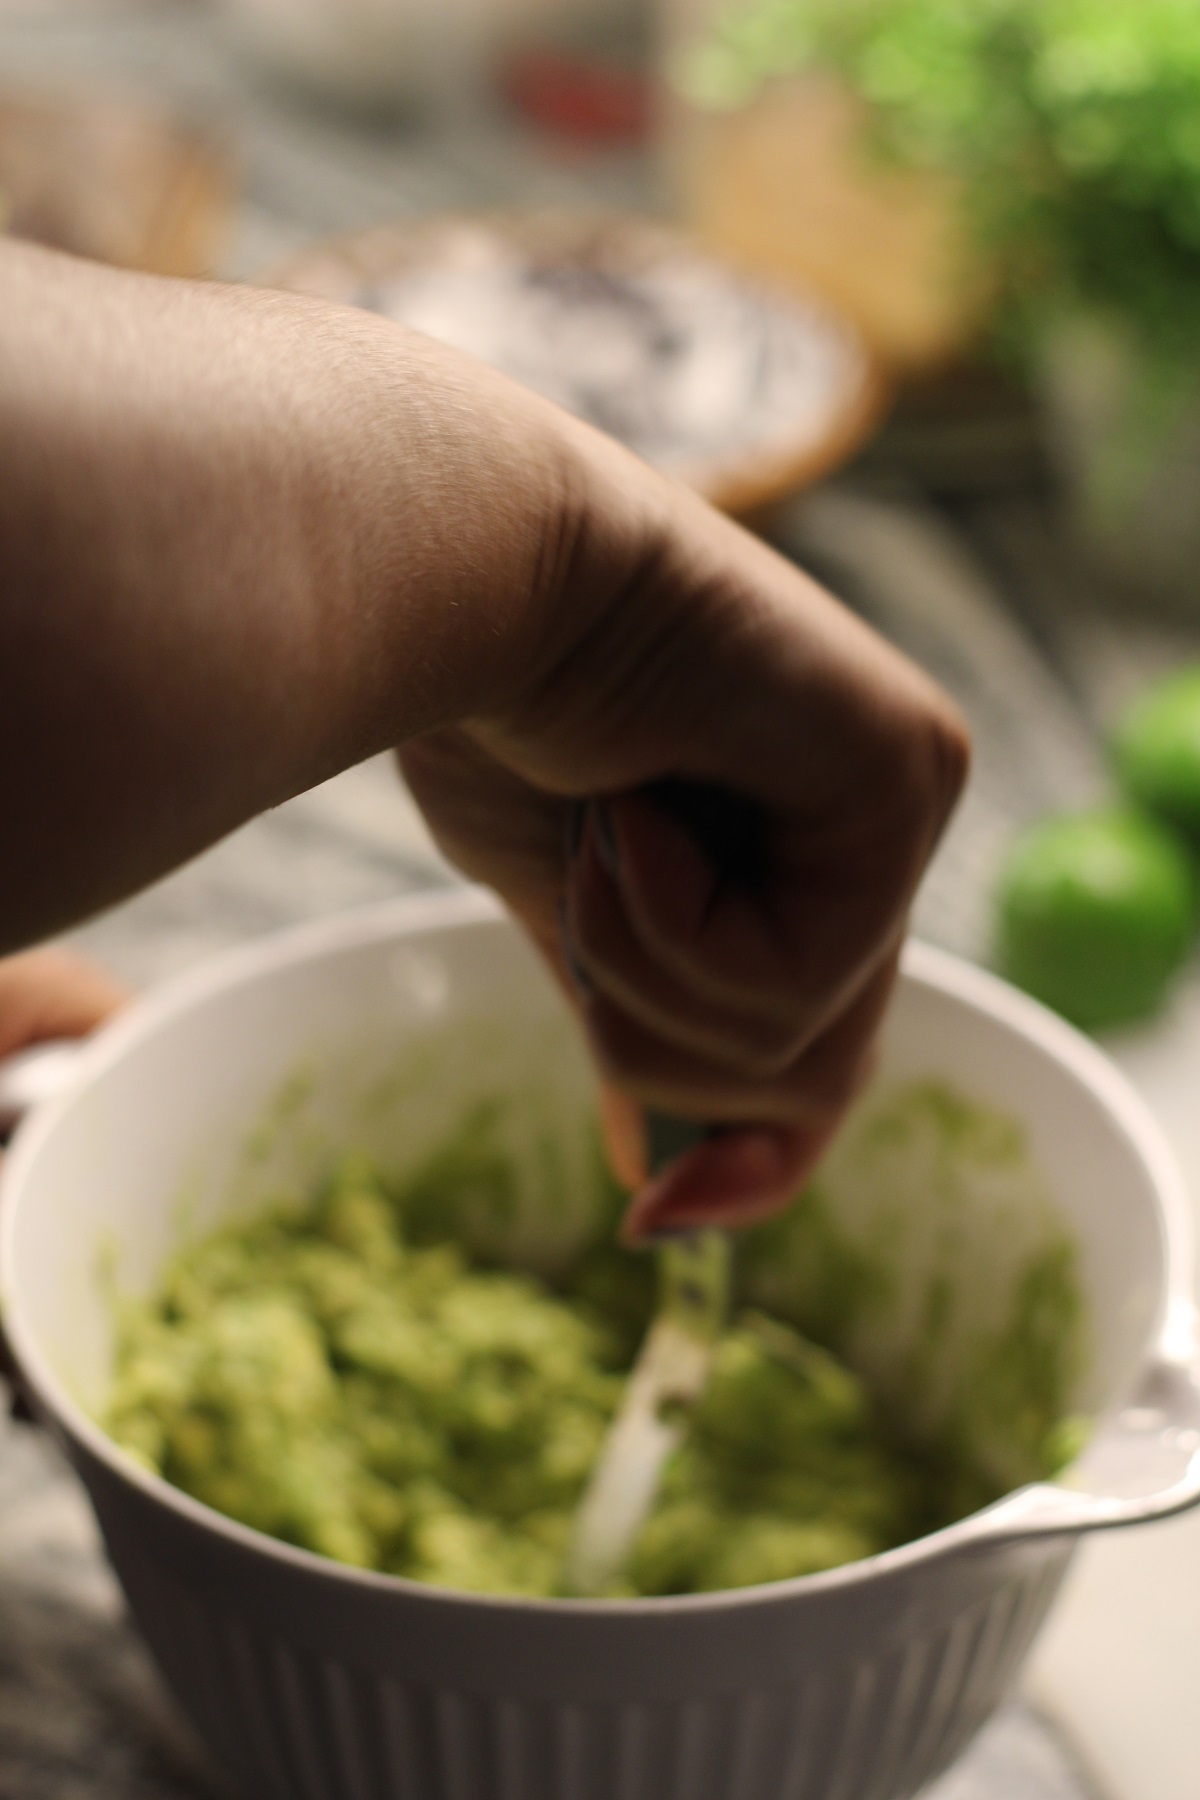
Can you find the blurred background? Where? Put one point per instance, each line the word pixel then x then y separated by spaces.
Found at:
pixel 912 286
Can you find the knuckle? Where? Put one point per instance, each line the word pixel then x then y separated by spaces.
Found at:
pixel 922 757
pixel 949 753
pixel 935 758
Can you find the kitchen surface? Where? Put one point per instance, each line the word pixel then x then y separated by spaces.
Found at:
pixel 941 538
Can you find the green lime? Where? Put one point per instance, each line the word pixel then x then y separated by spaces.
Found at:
pixel 1095 913
pixel 1157 752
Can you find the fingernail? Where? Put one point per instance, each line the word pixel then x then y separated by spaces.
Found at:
pixel 575 968
pixel 573 828
pixel 743 1174
pixel 606 837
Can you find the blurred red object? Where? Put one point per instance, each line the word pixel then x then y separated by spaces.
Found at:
pixel 582 98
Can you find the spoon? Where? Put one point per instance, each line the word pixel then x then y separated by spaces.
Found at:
pixel 668 1378
pixel 673 1364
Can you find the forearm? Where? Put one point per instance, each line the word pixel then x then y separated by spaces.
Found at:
pixel 244 541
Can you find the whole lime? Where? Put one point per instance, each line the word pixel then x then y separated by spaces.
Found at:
pixel 1157 752
pixel 1094 915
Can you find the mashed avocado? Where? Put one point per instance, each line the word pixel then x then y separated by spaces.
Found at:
pixel 331 1374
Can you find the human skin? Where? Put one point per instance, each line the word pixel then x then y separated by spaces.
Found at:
pixel 52 993
pixel 247 539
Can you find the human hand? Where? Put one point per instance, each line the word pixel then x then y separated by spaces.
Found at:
pixel 52 993
pixel 248 539
pixel 680 648
pixel 45 995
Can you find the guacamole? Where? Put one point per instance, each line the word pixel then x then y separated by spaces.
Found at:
pixel 331 1373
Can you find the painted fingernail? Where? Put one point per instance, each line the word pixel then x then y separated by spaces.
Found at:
pixel 573 828
pixel 575 968
pixel 732 1178
pixel 606 837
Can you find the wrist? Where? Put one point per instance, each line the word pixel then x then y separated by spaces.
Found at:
pixel 471 488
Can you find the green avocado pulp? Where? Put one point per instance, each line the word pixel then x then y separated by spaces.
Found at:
pixel 330 1373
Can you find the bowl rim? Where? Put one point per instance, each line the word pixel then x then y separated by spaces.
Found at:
pixel 459 907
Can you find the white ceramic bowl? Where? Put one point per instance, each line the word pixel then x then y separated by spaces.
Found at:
pixel 310 1679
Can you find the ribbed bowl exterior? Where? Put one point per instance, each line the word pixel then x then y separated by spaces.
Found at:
pixel 310 1683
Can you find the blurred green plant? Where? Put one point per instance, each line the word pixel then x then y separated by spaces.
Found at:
pixel 1073 125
